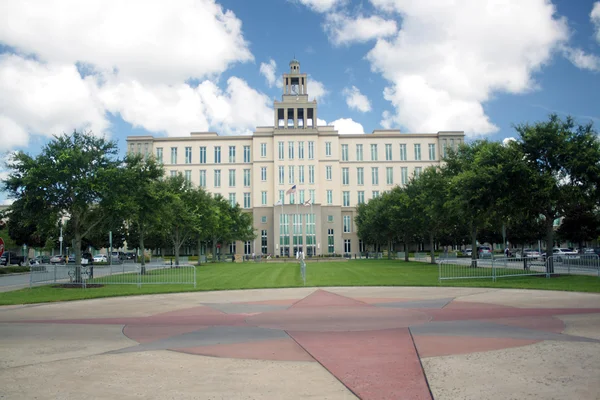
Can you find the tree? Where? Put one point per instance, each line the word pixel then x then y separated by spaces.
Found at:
pixel 580 224
pixel 26 223
pixel 70 177
pixel 373 222
pixel 563 161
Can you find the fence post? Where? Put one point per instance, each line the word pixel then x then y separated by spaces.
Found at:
pixel 139 276
pixel 54 273
pixel 493 269
pixel 194 277
pixel 30 277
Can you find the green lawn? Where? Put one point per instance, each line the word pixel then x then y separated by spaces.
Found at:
pixel 281 275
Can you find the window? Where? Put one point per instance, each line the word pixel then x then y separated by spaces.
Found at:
pixel 300 173
pixel 330 218
pixel 330 241
pixel 346 224
pixel 232 249
pixel 431 151
pixel 359 152
pixel 417 172
pixel 232 201
pixel 282 196
pixel 444 148
pixel 246 200
pixel 301 150
pixel 246 178
pixel 263 198
pixel 373 152
pixel 388 152
pixel 263 241
pixel 375 194
pixel 217 154
pixel 231 154
pixel 344 152
pixel 145 149
pixel 292 198
pixel 291 174
pixel 402 152
pixel 452 144
pixel 139 148
pixel 312 196
pixel 173 155
pixel 346 199
pixel 246 154
pixel 417 152
pixel 281 174
pixel 361 197
pixel 263 149
pixel 263 219
pixel 247 247
pixel 232 178
pixel 328 149
pixel 202 178
pixel 280 147
pixel 389 175
pixel 131 148
pixel 173 173
pixel 291 150
pixel 330 197
pixel 188 155
pixel 311 174
pixel 159 154
pixel 347 246
pixel 375 176
pixel 217 178
pixel 311 150
pixel 328 172
pixel 345 176
pixel 301 196
pixel 188 175
pixel 360 176
pixel 202 155
pixel 263 174
pixel 404 175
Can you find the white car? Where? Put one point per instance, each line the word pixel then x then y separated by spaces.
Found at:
pixel 100 258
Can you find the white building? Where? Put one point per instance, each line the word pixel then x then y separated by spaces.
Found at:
pixel 332 173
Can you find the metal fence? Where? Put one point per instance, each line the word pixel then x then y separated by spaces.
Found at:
pixel 420 256
pixel 518 266
pixel 123 274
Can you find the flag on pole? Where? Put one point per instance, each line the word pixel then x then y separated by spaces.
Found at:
pixel 279 203
pixel 308 203
pixel 291 190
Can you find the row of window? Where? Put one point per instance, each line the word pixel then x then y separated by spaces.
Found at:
pixel 188 159
pixel 360 175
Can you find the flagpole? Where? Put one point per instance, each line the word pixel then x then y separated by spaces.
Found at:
pixel 314 227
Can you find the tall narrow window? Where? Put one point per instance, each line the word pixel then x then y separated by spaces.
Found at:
pixel 347 246
pixel 291 174
pixel 263 198
pixel 263 149
pixel 217 181
pixel 375 194
pixel 330 241
pixel 301 150
pixel 291 150
pixel 263 242
pixel 328 172
pixel 375 176
pixel 246 200
pixel 300 173
pixel 431 151
pixel 347 224
pixel 344 152
pixel 417 172
pixel 389 175
pixel 217 154
pixel 232 201
pixel 404 175
pixel 346 199
pixel 373 152
pixel 311 150
pixel 188 155
pixel 159 154
pixel 312 196
pixel 284 235
pixel 388 152
pixel 232 178
pixel 263 174
pixel 173 155
pixel 281 174
pixel 345 176
pixel 417 152
pixel 202 155
pixel 246 178
pixel 231 154
pixel 301 196
pixel 311 174
pixel 281 150
pixel 246 154
pixel 282 196
pixel 330 197
pixel 402 152
pixel 361 197
pixel 202 178
pixel 188 176
pixel 328 149
pixel 360 176
pixel 359 152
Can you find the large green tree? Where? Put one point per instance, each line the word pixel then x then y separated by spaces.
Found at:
pixel 70 177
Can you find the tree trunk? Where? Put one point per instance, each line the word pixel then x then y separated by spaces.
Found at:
pixel 199 249
pixel 474 247
pixel 214 249
pixel 405 252
pixel 141 230
pixel 177 244
pixel 432 250
pixel 389 249
pixel 549 244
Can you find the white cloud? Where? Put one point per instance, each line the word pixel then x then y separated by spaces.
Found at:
pixel 507 140
pixel 316 90
pixel 165 42
pixel 450 57
pixel 45 99
pixel 269 71
pixel 582 60
pixel 342 29
pixel 322 5
pixel 346 126
pixel 356 100
pixel 321 122
pixel 595 18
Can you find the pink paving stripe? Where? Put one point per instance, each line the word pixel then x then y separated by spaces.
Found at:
pixel 437 346
pixel 287 302
pixel 371 300
pixel 375 365
pixel 322 298
pixel 151 333
pixel 276 350
pixel 449 314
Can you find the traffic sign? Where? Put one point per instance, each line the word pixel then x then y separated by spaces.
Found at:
pixel 1 246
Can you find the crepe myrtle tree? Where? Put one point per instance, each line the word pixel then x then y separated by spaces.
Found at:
pixel 71 177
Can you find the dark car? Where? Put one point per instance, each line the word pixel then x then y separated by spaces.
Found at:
pixel 86 258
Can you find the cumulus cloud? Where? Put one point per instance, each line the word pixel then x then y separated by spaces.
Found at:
pixel 507 140
pixel 316 90
pixel 269 71
pixel 595 17
pixel 582 60
pixel 356 100
pixel 344 126
pixel 449 58
pixel 343 29
pixel 322 5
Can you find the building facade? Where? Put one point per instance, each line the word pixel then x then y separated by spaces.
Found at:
pixel 302 182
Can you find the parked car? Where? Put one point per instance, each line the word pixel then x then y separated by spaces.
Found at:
pixel 43 259
pixel 86 258
pixel 484 252
pixel 559 252
pixel 58 259
pixel 100 258
pixel 531 253
pixel 11 258
pixel 468 252
pixel 594 250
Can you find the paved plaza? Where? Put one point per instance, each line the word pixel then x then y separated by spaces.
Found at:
pixel 307 343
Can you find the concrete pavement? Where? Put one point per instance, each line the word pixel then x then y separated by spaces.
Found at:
pixel 307 343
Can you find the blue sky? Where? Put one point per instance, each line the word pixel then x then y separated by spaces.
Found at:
pixel 168 68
